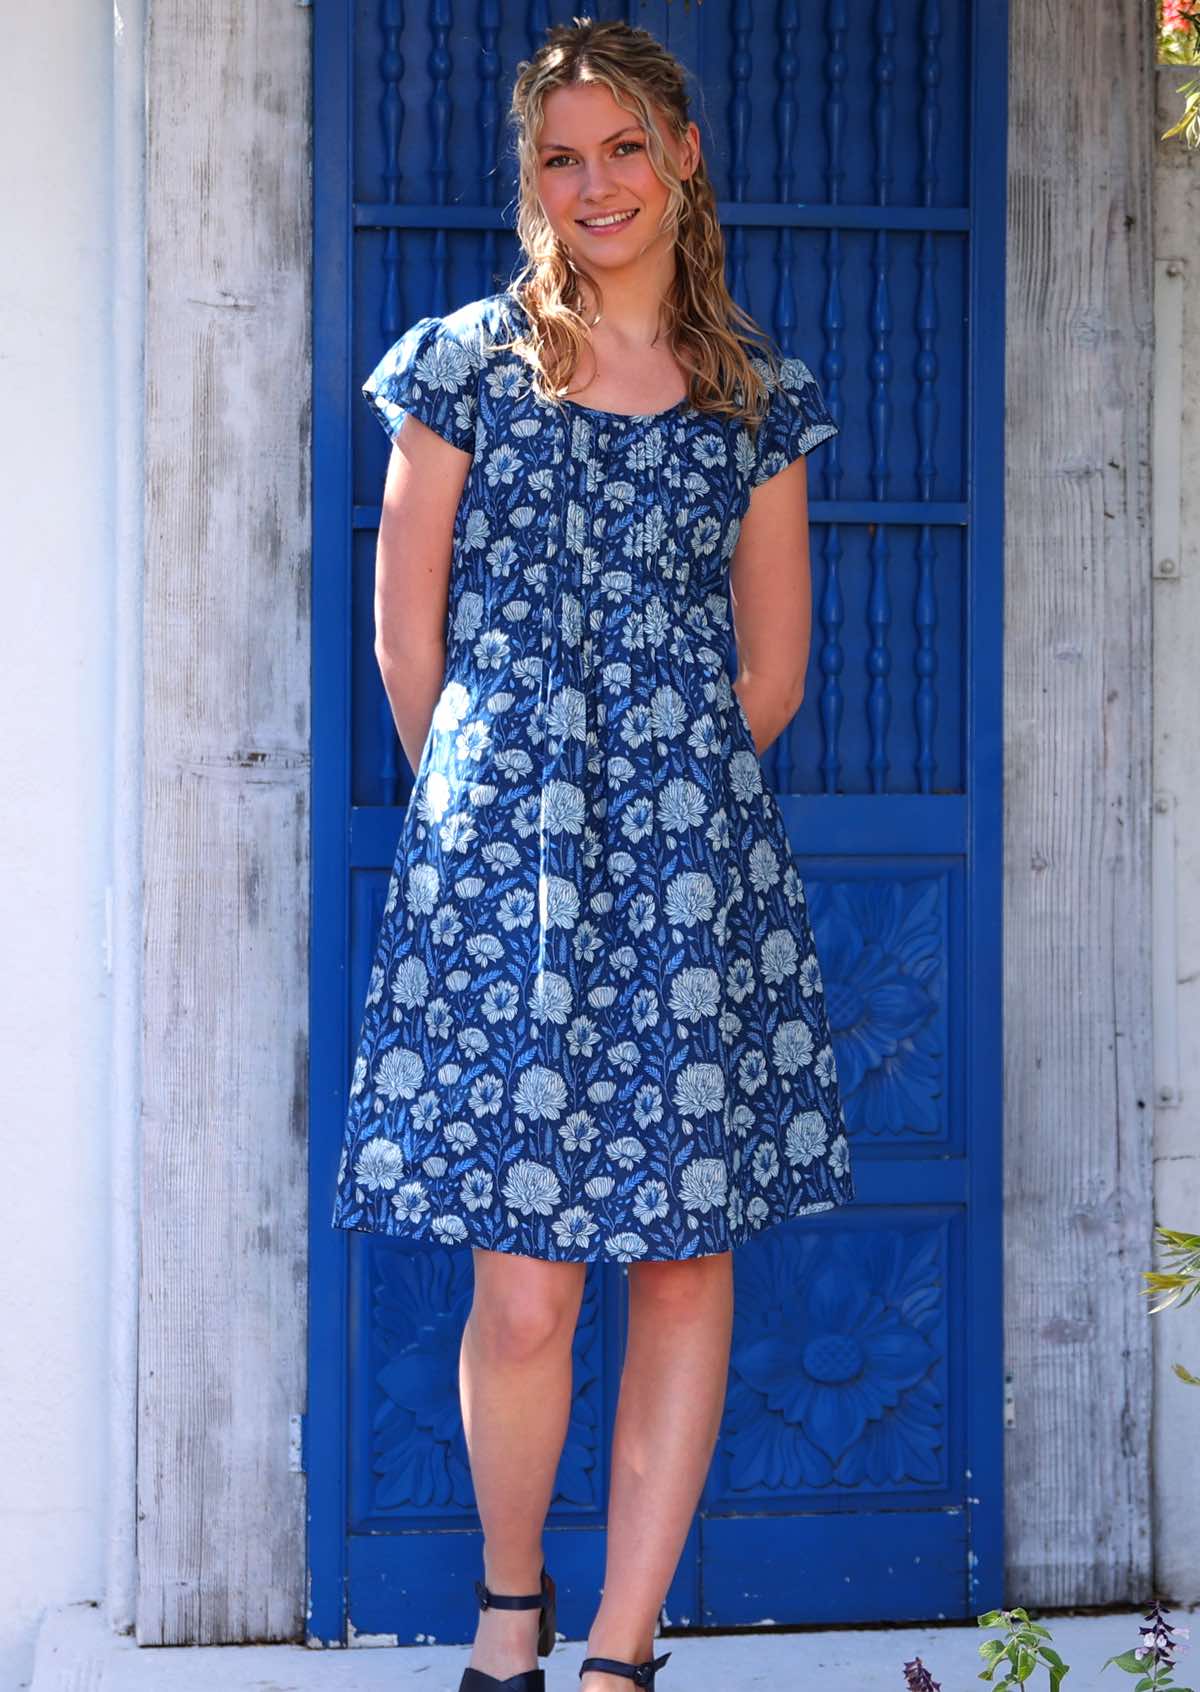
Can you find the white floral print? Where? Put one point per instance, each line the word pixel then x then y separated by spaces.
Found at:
pixel 595 1025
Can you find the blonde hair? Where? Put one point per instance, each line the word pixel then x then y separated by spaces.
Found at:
pixel 703 318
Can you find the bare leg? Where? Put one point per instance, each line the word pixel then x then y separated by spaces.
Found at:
pixel 515 1387
pixel 673 1385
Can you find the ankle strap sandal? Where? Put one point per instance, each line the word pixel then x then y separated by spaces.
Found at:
pixel 529 1680
pixel 642 1674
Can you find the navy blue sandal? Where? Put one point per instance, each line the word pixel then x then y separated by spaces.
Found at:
pixel 529 1680
pixel 642 1674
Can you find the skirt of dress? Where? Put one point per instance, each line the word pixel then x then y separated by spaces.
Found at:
pixel 595 1026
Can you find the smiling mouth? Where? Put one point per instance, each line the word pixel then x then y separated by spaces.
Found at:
pixel 606 220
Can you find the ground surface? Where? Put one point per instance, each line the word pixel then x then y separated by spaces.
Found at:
pixel 77 1653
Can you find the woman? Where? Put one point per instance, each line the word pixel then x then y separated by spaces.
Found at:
pixel 595 1028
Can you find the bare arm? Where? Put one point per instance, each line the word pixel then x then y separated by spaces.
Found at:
pixel 771 587
pixel 425 478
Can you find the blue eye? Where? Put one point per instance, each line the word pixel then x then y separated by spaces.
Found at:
pixel 555 157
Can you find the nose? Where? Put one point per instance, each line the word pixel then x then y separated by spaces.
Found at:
pixel 597 183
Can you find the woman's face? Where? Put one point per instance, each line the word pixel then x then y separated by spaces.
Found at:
pixel 594 165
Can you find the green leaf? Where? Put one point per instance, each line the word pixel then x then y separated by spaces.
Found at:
pixel 1181 1242
pixel 991 1619
pixel 1026 1663
pixel 1128 1662
pixel 991 1649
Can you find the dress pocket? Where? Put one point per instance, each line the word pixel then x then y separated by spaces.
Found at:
pixel 743 723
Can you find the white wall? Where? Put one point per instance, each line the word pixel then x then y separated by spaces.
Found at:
pixel 1177 776
pixel 60 614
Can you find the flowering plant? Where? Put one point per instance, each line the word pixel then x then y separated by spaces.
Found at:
pixel 1180 1284
pixel 1154 1659
pixel 1179 44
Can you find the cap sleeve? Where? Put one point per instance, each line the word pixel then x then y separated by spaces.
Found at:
pixel 796 421
pixel 431 373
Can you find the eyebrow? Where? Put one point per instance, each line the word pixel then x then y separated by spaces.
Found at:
pixel 561 146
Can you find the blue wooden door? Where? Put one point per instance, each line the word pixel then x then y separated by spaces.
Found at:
pixel 858 153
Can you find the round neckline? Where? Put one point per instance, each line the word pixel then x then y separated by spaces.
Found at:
pixel 627 416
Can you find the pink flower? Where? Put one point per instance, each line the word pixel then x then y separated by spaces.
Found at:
pixel 1173 16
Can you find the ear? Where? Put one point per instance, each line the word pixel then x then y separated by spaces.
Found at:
pixel 691 150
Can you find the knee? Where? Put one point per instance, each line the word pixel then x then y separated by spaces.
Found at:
pixel 517 1317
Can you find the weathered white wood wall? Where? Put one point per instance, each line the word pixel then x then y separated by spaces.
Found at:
pixel 1078 1055
pixel 221 1352
pixel 1177 864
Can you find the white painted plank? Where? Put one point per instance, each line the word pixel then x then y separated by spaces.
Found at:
pixel 1078 1048
pixel 1176 1332
pixel 226 807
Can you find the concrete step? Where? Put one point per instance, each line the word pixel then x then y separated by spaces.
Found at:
pixel 77 1652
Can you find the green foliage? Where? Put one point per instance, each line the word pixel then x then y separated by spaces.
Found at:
pixel 1021 1651
pixel 1179 44
pixel 1154 1659
pixel 1180 1283
pixel 1025 1646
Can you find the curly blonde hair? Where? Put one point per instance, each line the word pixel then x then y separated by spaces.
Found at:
pixel 710 335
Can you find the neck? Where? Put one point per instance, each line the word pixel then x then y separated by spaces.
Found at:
pixel 632 312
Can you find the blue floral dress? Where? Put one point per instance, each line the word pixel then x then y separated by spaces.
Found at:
pixel 595 1026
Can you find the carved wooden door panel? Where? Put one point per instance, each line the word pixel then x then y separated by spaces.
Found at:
pixel 858 155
